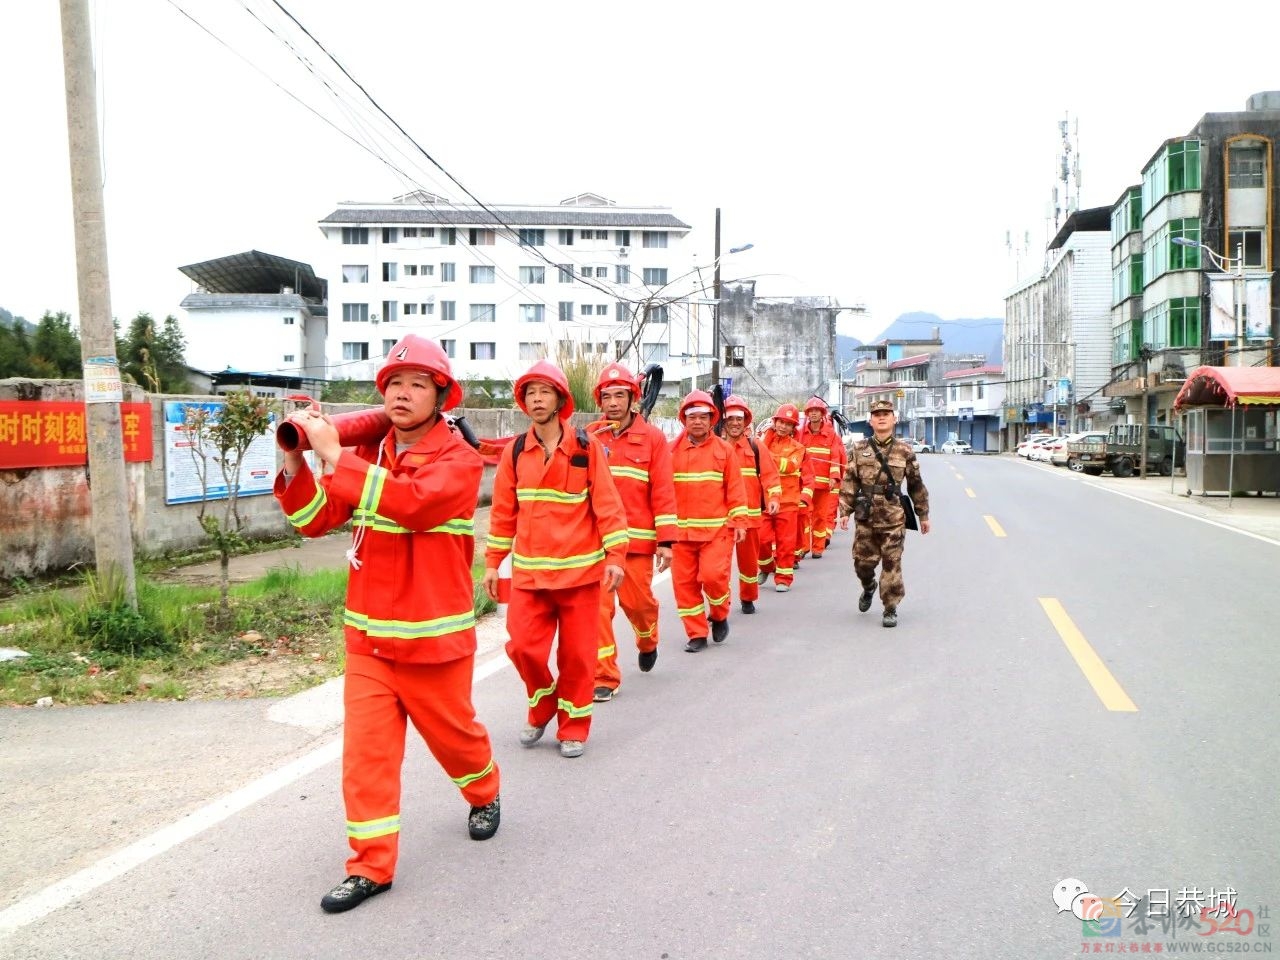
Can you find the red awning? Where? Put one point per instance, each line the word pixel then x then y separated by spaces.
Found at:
pixel 1229 386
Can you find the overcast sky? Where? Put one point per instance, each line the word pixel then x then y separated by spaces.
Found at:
pixel 877 153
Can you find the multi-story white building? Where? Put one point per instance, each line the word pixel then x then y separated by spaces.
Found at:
pixel 501 287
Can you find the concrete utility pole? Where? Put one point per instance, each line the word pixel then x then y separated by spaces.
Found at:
pixel 112 536
pixel 715 317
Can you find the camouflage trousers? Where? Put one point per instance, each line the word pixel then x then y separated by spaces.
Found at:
pixel 880 547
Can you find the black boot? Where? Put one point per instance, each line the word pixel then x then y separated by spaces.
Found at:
pixel 719 630
pixel 864 600
pixel 890 618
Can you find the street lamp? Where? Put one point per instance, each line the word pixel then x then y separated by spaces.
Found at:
pixel 1237 286
pixel 715 317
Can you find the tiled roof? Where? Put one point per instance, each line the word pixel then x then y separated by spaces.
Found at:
pixel 973 372
pixel 471 217
pixel 910 361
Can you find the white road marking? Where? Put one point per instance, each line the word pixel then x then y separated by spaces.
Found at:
pixel 1182 513
pixel 315 705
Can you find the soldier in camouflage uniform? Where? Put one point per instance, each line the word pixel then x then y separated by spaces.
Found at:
pixel 872 499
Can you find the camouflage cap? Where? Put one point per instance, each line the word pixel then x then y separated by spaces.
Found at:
pixel 878 405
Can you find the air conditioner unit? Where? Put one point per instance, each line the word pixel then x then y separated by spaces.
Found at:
pixel 623 251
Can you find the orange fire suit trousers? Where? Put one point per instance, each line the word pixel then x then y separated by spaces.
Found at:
pixel 379 695
pixel 833 507
pixel 534 617
pixel 748 552
pixel 702 567
pixel 636 598
pixel 817 529
pixel 778 555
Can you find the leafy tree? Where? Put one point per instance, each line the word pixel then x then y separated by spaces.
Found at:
pixel 15 351
pixel 224 438
pixel 350 391
pixel 482 393
pixel 55 348
pixel 154 358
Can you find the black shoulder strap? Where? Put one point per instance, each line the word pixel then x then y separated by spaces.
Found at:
pixel 583 442
pixel 517 448
pixel 756 450
pixel 884 467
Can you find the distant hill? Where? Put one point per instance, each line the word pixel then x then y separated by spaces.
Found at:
pixel 845 347
pixel 983 336
pixel 8 319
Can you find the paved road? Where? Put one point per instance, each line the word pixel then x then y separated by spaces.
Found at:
pixel 819 786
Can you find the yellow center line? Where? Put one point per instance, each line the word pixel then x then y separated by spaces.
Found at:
pixel 995 527
pixel 1095 671
pixel 969 491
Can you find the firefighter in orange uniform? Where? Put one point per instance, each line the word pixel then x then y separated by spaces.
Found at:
pixel 711 516
pixel 761 485
pixel 780 535
pixel 826 451
pixel 409 620
pixel 640 463
pixel 557 512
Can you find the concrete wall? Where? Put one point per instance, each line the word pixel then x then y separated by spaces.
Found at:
pixel 46 513
pixel 790 347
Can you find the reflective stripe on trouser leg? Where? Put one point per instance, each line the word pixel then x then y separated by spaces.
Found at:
pixel 786 528
pixel 372 755
pixel 881 547
pixel 635 597
pixel 748 552
pixel 578 614
pixel 437 697
pixel 531 624
pixel 715 564
pixel 833 507
pixel 818 519
pixel 687 588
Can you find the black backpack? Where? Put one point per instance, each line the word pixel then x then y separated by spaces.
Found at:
pixel 517 448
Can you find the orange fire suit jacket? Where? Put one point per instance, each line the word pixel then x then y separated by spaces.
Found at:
pixel 640 464
pixel 827 453
pixel 709 493
pixel 411 597
pixel 795 469
pixel 760 485
pixel 562 513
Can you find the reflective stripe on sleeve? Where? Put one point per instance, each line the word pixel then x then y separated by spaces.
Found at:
pixel 308 513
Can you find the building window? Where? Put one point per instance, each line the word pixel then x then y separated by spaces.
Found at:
pixel 566 310
pixel 585 271
pixel 355 273
pixel 448 272
pixel 483 274
pixel 620 312
pixel 355 313
pixel 288 321
pixel 566 238
pixel 566 272
pixel 427 309
pixel 587 310
pixel 386 347
pixel 355 234
pixel 484 351
pixel 533 275
pixel 390 234
pixel 658 314
pixel 1247 164
pixel 288 358
pixel 532 238
pixel 410 309
pixel 979 389
pixel 1177 168
pixel 623 237
pixel 408 232
pixel 427 269
pixel 450 347
pixel 1184 322
pixel 653 238
pixel 355 351
pixel 955 392
pixel 532 352
pixel 484 312
pixel 427 232
pixel 532 313
pixel 624 273
pixel 481 238
pixel 390 311
pixel 655 276
pixel 656 353
pixel 602 273
pixel 448 236
pixel 388 272
pixel 410 269
pixel 1249 243
pixel 595 234
pixel 448 311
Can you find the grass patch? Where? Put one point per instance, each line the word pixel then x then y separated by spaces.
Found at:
pixel 284 633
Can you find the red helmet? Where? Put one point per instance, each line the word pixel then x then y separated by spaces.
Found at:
pixel 616 375
pixel 418 353
pixel 735 402
pixel 788 414
pixel 547 372
pixel 699 398
pixel 816 403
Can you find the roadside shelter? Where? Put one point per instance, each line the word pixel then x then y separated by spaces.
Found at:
pixel 1231 429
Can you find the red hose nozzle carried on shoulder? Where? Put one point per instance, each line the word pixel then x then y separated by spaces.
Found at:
pixel 354 428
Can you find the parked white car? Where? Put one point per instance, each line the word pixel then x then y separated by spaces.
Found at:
pixel 956 446
pixel 1024 448
pixel 1040 449
pixel 919 446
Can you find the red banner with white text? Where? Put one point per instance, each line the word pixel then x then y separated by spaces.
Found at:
pixel 40 433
